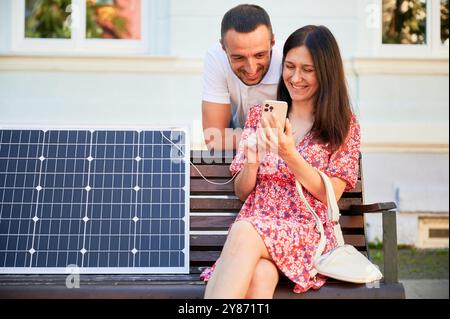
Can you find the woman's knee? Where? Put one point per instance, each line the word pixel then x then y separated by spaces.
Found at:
pixel 241 228
pixel 241 236
pixel 264 280
pixel 266 272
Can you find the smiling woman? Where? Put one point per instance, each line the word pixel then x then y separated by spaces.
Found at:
pixel 314 78
pixel 299 74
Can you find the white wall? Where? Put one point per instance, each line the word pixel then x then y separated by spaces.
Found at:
pixel 5 22
pixel 417 182
pixel 408 109
pixel 98 99
pixel 189 17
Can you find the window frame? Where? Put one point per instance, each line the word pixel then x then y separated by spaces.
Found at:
pixel 433 46
pixel 78 43
pixel 438 46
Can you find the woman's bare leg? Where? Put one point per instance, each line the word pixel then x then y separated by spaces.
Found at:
pixel 264 280
pixel 240 255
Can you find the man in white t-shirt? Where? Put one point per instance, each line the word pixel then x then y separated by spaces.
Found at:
pixel 240 72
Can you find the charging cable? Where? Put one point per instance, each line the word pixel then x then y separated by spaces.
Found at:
pixel 200 173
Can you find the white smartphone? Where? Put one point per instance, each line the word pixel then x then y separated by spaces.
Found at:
pixel 278 108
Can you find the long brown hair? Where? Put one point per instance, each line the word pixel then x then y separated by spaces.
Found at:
pixel 332 109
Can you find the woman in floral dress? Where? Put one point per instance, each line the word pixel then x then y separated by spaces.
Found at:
pixel 274 231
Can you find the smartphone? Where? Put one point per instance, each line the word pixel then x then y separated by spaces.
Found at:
pixel 279 108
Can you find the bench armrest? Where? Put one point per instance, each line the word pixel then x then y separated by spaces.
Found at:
pixel 373 208
pixel 390 251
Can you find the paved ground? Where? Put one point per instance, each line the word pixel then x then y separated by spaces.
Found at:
pixel 426 288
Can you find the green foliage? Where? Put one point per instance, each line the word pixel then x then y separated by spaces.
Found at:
pixel 377 244
pixel 414 263
pixel 444 20
pixel 47 19
pixel 93 30
pixel 404 22
pixel 51 19
pixel 117 27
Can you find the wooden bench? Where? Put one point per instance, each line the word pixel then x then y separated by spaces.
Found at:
pixel 212 210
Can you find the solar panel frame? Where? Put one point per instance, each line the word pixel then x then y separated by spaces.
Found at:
pixel 117 270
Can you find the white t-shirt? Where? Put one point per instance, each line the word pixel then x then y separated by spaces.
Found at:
pixel 221 85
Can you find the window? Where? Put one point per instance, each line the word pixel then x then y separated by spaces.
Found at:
pixel 47 19
pixel 110 19
pixel 433 232
pixel 404 22
pixel 444 22
pixel 414 27
pixel 80 26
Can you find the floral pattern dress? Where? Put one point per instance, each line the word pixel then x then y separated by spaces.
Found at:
pixel 278 214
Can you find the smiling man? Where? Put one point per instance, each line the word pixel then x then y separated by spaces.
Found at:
pixel 239 72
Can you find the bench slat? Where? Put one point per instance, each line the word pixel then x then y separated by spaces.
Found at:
pixel 225 204
pixel 204 256
pixel 206 158
pixel 211 163
pixel 211 171
pixel 200 186
pixel 224 222
pixel 211 222
pixel 212 240
pixel 207 258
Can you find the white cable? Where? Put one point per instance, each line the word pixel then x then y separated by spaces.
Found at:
pixel 211 182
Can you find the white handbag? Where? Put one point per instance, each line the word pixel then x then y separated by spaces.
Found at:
pixel 343 262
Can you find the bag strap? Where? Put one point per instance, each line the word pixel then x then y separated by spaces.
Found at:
pixel 333 215
pixel 322 241
pixel 333 208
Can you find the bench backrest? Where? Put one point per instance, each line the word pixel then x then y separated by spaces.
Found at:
pixel 213 208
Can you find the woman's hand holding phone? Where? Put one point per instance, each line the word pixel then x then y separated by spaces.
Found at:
pixel 251 150
pixel 275 138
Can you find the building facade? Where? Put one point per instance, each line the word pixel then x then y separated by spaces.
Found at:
pixel 96 72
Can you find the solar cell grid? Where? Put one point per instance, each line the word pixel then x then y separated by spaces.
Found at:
pixel 103 200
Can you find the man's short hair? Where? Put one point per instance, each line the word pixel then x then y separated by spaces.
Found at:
pixel 245 18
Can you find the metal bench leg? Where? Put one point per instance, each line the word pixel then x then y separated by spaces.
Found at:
pixel 390 247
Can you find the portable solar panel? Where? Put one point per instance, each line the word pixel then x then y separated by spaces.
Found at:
pixel 105 201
